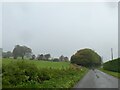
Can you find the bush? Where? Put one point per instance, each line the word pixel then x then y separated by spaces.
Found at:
pixel 22 74
pixel 19 72
pixel 113 65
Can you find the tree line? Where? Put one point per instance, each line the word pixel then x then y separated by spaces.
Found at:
pixel 84 57
pixel 24 51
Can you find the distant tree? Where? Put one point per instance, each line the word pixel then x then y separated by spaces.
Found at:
pixel 61 58
pixel 40 57
pixel 55 60
pixel 47 56
pixel 33 57
pixel 7 54
pixel 21 51
pixel 66 59
pixel 87 58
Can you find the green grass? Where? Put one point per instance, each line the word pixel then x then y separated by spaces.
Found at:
pixel 115 74
pixel 40 63
pixel 40 74
pixel 0 73
pixel 66 81
pixel 0 62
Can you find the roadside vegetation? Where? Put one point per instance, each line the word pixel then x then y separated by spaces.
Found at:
pixel 86 57
pixel 112 67
pixel 115 74
pixel 0 73
pixel 32 74
pixel 22 69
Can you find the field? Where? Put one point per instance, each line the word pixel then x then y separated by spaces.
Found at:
pixel 40 74
pixel 40 63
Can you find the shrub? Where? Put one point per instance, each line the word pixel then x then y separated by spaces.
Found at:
pixel 22 74
pixel 113 65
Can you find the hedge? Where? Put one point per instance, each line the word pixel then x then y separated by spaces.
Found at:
pixel 113 65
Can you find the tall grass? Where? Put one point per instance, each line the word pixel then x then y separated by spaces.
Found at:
pixel 40 74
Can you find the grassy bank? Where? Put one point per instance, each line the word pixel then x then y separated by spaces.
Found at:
pixel 40 74
pixel 112 65
pixel 115 74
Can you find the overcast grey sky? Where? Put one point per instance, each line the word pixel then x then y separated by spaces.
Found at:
pixel 0 24
pixel 61 28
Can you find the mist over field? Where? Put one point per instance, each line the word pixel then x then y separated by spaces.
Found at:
pixel 61 28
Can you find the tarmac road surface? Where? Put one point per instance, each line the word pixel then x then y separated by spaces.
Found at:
pixel 97 79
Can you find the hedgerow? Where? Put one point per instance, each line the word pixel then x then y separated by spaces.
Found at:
pixel 22 74
pixel 113 65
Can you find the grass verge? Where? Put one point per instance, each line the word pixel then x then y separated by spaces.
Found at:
pixel 115 74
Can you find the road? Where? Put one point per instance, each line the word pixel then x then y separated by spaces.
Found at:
pixel 97 79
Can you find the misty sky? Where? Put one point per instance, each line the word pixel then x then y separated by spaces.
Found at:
pixel 61 28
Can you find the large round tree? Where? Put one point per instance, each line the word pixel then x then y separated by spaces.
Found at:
pixel 21 51
pixel 86 57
